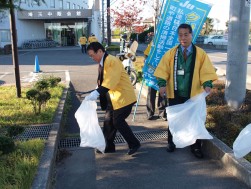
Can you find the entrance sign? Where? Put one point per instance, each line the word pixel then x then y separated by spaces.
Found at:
pixel 54 14
pixel 173 13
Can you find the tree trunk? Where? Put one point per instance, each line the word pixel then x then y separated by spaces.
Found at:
pixel 237 52
pixel 14 48
pixel 108 23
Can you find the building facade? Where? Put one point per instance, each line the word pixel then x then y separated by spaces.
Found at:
pixel 62 21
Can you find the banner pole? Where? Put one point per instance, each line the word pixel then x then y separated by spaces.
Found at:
pixel 138 100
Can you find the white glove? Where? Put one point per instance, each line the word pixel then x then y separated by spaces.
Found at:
pixel 92 96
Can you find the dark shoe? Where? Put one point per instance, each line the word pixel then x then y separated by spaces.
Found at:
pixel 106 151
pixel 133 150
pixel 149 117
pixel 98 152
pixel 170 147
pixel 197 153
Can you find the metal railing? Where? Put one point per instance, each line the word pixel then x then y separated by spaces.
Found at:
pixel 39 43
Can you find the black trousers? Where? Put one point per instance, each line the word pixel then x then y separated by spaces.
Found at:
pixel 83 48
pixel 150 103
pixel 174 101
pixel 115 120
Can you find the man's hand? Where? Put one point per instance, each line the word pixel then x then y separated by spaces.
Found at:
pixel 162 91
pixel 207 89
pixel 92 96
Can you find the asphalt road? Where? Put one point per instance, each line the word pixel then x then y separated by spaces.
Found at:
pixel 70 64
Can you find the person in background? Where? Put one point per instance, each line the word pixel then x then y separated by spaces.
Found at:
pixel 151 98
pixel 116 96
pixel 183 72
pixel 92 38
pixel 83 42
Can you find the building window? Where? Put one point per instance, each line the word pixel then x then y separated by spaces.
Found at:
pixel 61 4
pixel 68 5
pixel 78 6
pixel 5 36
pixel 73 6
pixel 52 4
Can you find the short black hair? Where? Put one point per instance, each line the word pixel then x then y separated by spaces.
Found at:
pixel 95 46
pixel 185 26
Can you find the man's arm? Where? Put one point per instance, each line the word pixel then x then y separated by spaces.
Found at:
pixel 208 85
pixel 162 87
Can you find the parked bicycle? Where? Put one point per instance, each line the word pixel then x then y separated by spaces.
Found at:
pixel 128 56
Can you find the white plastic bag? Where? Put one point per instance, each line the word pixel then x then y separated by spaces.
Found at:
pixel 242 144
pixel 187 121
pixel 90 132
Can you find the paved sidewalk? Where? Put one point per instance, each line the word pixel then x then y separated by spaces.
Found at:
pixel 151 167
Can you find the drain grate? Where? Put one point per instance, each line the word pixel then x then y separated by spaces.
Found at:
pixel 41 131
pixel 141 136
pixel 69 143
pixel 151 135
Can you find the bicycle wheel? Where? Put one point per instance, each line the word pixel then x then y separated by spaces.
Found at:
pixel 133 77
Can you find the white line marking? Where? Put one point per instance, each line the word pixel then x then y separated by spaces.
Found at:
pixel 6 73
pixel 67 75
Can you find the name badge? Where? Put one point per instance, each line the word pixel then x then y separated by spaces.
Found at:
pixel 181 72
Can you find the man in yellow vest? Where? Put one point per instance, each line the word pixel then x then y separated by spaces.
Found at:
pixel 151 97
pixel 83 42
pixel 92 38
pixel 116 95
pixel 183 72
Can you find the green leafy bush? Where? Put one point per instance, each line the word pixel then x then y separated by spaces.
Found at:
pixel 139 76
pixel 53 81
pixel 39 95
pixel 42 84
pixel 7 145
pixel 38 98
pixel 14 130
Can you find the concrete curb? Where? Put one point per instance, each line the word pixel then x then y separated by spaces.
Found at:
pixel 216 149
pixel 240 168
pixel 45 169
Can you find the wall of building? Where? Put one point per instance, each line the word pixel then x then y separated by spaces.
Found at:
pixel 29 30
pixel 5 27
pixel 34 29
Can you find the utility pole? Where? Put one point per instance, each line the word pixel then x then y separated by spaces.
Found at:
pixel 156 14
pixel 108 24
pixel 237 52
pixel 14 48
pixel 103 22
pixel 156 8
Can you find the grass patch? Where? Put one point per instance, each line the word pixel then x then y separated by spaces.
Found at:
pixel 223 122
pixel 19 111
pixel 18 168
pixel 113 47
